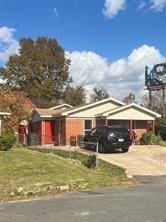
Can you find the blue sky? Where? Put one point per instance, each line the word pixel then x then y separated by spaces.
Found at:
pixel 108 41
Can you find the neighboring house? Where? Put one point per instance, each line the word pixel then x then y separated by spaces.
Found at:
pixel 59 124
pixel 43 123
pixel 2 114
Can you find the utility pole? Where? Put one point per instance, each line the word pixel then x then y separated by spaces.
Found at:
pixel 164 104
pixel 150 99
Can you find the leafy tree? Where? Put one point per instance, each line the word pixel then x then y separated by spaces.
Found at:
pixel 40 69
pixel 74 96
pixel 161 128
pixel 18 104
pixel 99 93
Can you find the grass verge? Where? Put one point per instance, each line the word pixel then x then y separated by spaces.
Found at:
pixel 163 143
pixel 25 173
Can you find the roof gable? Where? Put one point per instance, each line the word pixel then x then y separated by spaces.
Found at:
pixel 62 106
pixel 38 113
pixel 132 111
pixel 95 107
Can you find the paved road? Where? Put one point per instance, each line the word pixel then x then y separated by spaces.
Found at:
pixel 145 202
pixel 140 160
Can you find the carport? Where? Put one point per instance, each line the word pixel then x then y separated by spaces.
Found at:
pixel 136 118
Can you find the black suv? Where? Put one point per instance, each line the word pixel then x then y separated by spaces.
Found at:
pixel 110 138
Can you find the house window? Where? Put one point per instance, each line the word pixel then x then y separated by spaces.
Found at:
pixel 88 126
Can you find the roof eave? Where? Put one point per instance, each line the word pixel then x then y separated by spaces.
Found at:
pixel 46 116
pixel 59 106
pixel 93 104
pixel 5 113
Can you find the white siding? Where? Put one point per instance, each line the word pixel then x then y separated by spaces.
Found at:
pixel 92 111
pixel 131 114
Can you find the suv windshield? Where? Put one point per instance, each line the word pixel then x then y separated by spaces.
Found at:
pixel 118 131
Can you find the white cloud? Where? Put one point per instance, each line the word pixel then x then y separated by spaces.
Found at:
pixel 119 77
pixel 8 45
pixel 56 12
pixel 112 7
pixel 155 5
pixel 158 5
pixel 142 5
pixel 87 66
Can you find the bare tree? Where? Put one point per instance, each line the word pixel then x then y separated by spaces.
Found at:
pixel 129 99
pixel 99 93
pixel 156 102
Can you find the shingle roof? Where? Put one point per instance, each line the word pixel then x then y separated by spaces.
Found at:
pixel 48 112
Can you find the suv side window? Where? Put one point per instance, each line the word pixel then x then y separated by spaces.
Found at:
pixel 102 130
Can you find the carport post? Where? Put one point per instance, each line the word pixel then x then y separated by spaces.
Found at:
pixel 131 129
pixel 59 135
pixel 153 126
pixel 97 152
pixel 106 122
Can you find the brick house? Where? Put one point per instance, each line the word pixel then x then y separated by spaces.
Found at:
pixel 57 125
pixel 2 115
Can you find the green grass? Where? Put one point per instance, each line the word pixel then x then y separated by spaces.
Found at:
pixel 41 173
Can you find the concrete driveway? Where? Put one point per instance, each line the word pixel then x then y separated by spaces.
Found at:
pixel 140 160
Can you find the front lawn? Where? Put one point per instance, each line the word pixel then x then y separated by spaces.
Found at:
pixel 25 173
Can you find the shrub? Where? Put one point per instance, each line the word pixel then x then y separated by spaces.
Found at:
pixel 90 162
pixel 80 140
pixel 149 138
pixel 73 141
pixel 161 128
pixel 7 141
pixel 156 139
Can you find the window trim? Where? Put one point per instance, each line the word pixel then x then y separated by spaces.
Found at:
pixel 92 126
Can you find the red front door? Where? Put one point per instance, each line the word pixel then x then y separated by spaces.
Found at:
pixel 48 133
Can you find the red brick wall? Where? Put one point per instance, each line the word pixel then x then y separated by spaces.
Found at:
pixel 74 127
pixel 63 131
pixel 100 122
pixel 125 123
pixel 141 128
